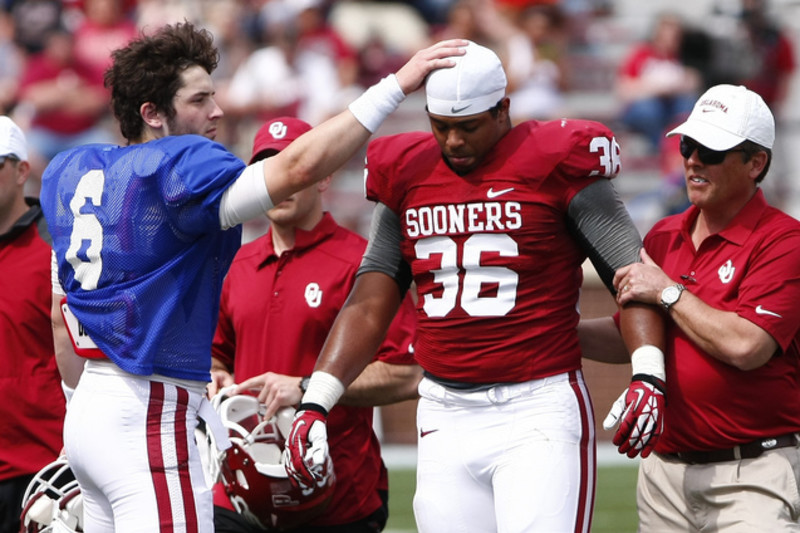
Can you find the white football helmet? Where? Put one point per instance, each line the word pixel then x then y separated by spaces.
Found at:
pixel 252 470
pixel 52 502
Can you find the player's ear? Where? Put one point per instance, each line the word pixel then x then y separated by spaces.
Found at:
pixel 323 185
pixel 150 115
pixel 503 109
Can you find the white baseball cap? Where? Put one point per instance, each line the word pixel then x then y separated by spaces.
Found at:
pixel 727 115
pixel 475 84
pixel 12 140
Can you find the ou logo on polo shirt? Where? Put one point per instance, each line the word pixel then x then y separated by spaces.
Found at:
pixel 726 272
pixel 313 295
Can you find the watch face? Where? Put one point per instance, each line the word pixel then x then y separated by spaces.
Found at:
pixel 670 295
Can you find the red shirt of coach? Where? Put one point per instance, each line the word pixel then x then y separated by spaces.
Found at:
pixel 276 310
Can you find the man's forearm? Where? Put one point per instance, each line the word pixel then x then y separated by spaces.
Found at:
pixel 642 324
pixel 601 341
pixel 382 384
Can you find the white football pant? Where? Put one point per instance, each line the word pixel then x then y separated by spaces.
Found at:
pixel 516 458
pixel 130 442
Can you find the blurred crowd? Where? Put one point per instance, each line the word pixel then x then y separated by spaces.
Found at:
pixel 309 58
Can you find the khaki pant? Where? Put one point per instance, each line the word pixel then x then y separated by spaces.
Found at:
pixel 747 496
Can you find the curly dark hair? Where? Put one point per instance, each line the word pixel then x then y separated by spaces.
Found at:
pixel 149 69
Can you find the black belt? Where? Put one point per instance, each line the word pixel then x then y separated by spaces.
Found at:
pixel 462 386
pixel 751 450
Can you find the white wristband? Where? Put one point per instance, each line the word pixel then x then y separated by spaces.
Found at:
pixel 323 389
pixel 377 103
pixel 648 359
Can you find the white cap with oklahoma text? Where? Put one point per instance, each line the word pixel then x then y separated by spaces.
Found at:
pixel 727 115
pixel 475 84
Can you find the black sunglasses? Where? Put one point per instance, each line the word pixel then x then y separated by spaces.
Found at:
pixel 706 156
pixel 5 158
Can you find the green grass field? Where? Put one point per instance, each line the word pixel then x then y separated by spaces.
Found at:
pixel 614 511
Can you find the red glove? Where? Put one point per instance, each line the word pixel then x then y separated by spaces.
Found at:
pixel 640 412
pixel 305 456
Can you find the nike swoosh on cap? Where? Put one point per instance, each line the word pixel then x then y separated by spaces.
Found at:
pixel 761 311
pixel 455 109
pixel 426 433
pixel 491 193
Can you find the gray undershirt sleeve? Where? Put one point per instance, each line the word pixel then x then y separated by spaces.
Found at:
pixel 383 251
pixel 599 221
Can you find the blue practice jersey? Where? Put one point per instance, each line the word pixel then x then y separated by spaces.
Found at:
pixel 141 254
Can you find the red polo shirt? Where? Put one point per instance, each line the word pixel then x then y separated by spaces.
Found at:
pixel 275 315
pixel 752 268
pixel 32 405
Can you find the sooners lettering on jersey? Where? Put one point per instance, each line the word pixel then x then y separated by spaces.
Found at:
pixel 490 252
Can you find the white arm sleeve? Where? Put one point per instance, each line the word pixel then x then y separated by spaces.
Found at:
pixel 246 198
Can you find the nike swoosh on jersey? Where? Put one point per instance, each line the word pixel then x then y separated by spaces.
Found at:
pixel 455 109
pixel 426 433
pixel 491 193
pixel 761 311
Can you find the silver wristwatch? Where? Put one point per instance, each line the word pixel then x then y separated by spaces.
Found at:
pixel 304 383
pixel 670 295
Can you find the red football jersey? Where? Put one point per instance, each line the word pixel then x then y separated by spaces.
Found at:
pixel 753 269
pixel 275 314
pixel 497 272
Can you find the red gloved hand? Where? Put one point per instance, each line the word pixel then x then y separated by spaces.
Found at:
pixel 305 456
pixel 640 413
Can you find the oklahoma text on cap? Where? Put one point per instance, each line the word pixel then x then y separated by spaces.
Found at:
pixel 727 115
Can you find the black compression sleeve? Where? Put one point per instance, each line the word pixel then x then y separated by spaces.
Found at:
pixel 383 251
pixel 601 224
